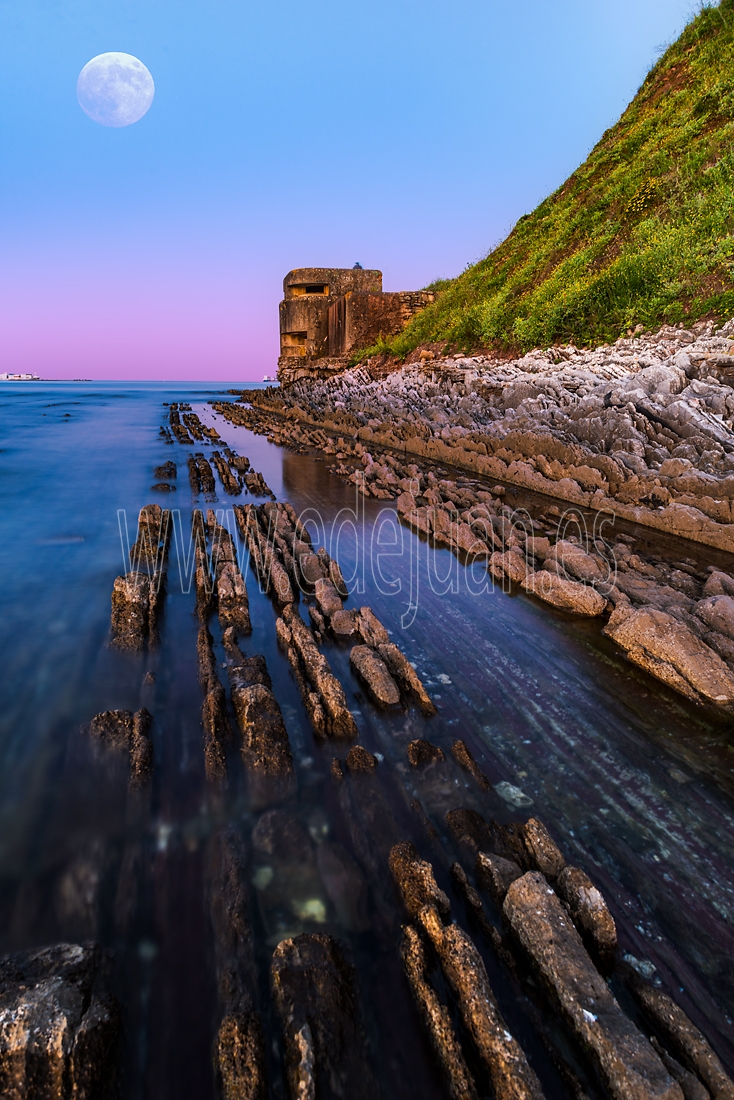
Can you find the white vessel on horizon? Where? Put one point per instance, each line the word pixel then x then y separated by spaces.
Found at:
pixel 19 378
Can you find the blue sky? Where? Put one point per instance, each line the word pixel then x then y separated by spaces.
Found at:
pixel 404 135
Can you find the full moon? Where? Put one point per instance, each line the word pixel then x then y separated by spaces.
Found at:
pixel 115 89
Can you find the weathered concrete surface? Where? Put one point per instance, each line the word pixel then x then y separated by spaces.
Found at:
pixel 436 1019
pixel 315 997
pixel 462 966
pixel 670 651
pixel 58 1035
pixel 629 1067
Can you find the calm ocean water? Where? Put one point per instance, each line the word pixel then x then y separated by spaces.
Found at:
pixel 636 784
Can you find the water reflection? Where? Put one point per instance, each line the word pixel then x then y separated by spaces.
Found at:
pixel 636 783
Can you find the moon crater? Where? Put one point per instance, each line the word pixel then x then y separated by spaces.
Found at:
pixel 115 89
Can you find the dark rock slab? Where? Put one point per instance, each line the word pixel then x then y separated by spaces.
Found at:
pixel 59 1031
pixel 422 753
pixel 141 748
pixel 463 968
pixel 121 729
pixel 372 631
pixel 588 910
pixel 410 683
pixel 625 1060
pixel 265 747
pixel 374 674
pixel 314 993
pixel 464 758
pixel 682 1037
pixel 416 882
pixel 240 1057
pixel 496 875
pixel 339 721
pixel 436 1019
pixel 360 760
pixel 542 850
pixel 129 623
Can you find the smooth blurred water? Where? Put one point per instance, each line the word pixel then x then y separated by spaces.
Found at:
pixel 635 783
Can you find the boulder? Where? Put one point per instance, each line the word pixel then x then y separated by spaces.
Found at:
pixel 327 598
pixel 573 560
pixel 510 564
pixel 544 854
pixel 683 1038
pixel 564 594
pixel 669 650
pixel 372 631
pixel 718 614
pixel 421 753
pixel 719 584
pixel 344 623
pixel 240 1057
pixel 496 875
pixel 130 598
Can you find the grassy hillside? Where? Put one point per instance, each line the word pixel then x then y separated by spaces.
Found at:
pixel 642 232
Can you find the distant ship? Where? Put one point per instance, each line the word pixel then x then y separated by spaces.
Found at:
pixel 270 378
pixel 19 378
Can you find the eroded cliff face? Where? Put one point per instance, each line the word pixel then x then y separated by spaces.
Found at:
pixel 641 428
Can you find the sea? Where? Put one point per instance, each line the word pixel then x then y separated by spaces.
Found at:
pixel 635 783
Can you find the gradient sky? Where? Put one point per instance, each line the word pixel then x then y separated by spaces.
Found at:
pixel 407 135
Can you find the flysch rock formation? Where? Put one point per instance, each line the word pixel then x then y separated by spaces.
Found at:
pixel 523 911
pixel 640 431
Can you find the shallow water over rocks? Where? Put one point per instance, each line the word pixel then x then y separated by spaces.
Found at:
pixel 635 784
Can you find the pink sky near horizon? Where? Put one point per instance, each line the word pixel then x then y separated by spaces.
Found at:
pixel 128 324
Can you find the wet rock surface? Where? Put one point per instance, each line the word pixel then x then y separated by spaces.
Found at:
pixel 314 993
pixel 121 729
pixel 625 1059
pixel 436 1019
pixel 640 431
pixel 59 1029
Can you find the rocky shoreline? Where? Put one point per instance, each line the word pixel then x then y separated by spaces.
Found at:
pixel 640 432
pixel 510 954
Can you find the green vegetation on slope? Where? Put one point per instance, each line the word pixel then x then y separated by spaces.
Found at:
pixel 642 232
